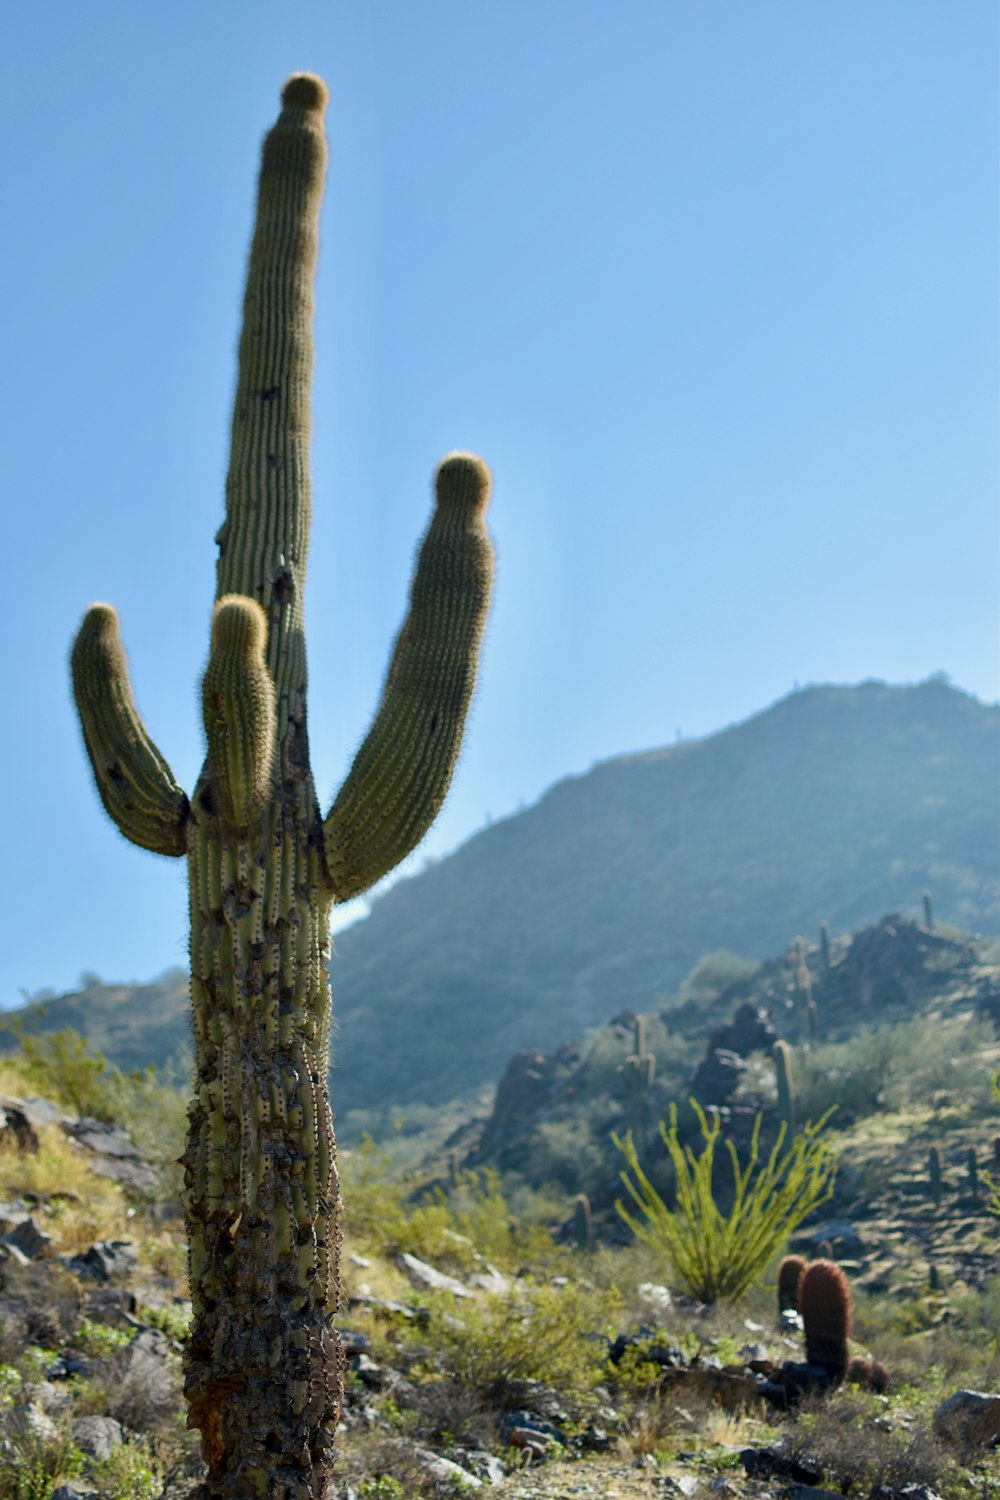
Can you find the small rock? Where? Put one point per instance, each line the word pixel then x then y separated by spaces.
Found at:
pixel 658 1296
pixel 844 1236
pixel 428 1278
pixel 969 1417
pixel 16 1128
pixel 484 1465
pixel 811 1492
pixel 98 1436
pixel 76 1489
pixel 105 1259
pixel 596 1440
pixel 771 1463
pixel 491 1280
pixel 679 1484
pixel 444 1469
pixel 360 1262
pixel 27 1239
pixel 367 1371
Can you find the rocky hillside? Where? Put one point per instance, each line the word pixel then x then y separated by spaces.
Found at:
pixel 837 804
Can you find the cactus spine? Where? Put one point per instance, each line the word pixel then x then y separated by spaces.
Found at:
pixel 783 1077
pixel 261 1198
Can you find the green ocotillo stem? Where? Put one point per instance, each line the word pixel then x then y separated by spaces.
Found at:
pixel 261 1195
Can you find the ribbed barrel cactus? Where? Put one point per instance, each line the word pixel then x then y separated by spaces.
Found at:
pixel 261 1199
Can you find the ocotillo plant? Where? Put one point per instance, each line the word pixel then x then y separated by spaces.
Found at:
pixel 825 1308
pixel 783 1077
pixel 261 1198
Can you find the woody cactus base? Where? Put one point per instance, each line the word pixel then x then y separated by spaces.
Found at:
pixel 261 1199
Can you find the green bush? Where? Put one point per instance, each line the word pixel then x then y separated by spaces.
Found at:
pixel 717 1256
pixel 552 1334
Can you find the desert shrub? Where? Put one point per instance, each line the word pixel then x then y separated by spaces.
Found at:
pixel 852 1075
pixel 859 1446
pixel 494 1346
pixel 714 973
pixel 33 1464
pixel 129 1473
pixel 717 1255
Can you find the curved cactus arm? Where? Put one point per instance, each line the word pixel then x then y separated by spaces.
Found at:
pixel 134 781
pixel 237 696
pixel 402 772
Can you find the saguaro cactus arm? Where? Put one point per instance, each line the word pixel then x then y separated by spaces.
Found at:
pixel 401 774
pixel 134 782
pixel 237 697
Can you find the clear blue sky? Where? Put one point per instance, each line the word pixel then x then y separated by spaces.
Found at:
pixel 712 286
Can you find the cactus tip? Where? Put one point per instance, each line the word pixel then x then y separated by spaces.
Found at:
pixel 239 619
pixel 306 90
pixel 463 477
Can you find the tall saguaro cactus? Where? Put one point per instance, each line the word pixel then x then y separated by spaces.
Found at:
pixel 261 1199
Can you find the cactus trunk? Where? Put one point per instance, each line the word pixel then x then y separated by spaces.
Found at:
pixel 261 1199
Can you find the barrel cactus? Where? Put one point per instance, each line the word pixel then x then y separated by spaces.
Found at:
pixel 261 1199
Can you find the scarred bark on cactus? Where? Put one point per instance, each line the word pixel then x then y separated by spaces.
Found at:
pixel 261 1201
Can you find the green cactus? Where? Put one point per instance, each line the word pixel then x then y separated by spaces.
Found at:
pixel 782 1056
pixel 824 946
pixel 934 1176
pixel 972 1169
pixel 928 911
pixel 582 1226
pixel 261 1199
pixel 639 1071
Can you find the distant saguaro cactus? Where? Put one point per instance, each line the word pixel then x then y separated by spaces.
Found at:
pixel 783 1077
pixel 928 911
pixel 825 1306
pixel 639 1071
pixel 824 946
pixel 582 1225
pixel 261 1199
pixel 934 1175
pixel 972 1169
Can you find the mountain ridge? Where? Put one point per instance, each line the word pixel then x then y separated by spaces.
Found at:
pixel 836 803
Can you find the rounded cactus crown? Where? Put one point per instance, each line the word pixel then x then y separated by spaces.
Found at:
pixel 307 90
pixel 463 478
